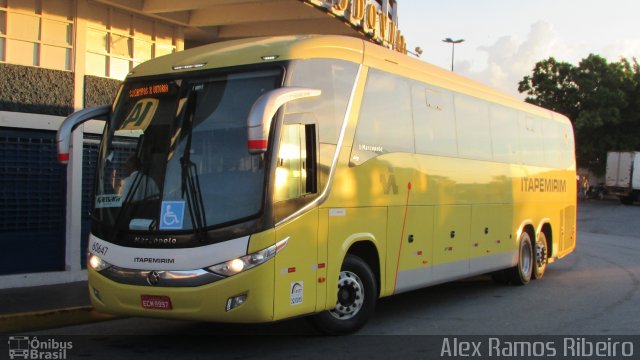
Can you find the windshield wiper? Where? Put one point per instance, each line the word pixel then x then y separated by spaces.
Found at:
pixel 190 182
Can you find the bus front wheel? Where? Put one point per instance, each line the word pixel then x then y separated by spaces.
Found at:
pixel 357 296
pixel 521 273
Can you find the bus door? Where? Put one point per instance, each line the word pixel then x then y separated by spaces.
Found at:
pixel 295 185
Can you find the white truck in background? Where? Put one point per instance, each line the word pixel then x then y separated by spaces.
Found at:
pixel 623 175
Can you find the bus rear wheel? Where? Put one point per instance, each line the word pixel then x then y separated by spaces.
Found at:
pixel 521 273
pixel 357 296
pixel 541 256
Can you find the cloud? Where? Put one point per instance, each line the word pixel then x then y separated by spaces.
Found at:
pixel 623 48
pixel 509 59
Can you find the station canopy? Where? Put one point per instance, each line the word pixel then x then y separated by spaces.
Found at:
pixel 208 21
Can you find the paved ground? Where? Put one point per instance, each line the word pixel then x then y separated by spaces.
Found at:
pixel 41 298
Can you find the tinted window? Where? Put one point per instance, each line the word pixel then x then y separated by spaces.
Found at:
pixel 335 79
pixel 385 124
pixel 504 134
pixel 472 120
pixel 434 121
pixel 531 140
pixel 558 144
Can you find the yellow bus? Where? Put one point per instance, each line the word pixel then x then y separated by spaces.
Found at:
pixel 263 179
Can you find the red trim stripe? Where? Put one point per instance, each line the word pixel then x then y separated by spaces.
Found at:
pixel 257 144
pixel 404 222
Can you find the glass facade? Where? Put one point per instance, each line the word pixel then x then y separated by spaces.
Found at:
pixel 59 36
pixel 118 41
pixel 37 33
pixel 42 33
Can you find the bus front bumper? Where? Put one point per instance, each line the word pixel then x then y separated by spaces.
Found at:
pixel 251 292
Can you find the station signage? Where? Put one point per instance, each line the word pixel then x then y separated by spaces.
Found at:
pixel 367 17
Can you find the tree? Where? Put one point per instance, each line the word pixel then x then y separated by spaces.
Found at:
pixel 602 100
pixel 551 86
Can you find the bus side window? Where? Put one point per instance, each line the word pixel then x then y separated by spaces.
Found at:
pixel 531 140
pixel 557 144
pixel 504 135
pixel 296 163
pixel 335 78
pixel 568 146
pixel 434 121
pixel 474 133
pixel 385 123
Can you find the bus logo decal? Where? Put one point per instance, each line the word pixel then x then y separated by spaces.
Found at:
pixel 372 148
pixel 389 184
pixel 297 290
pixel 153 278
pixel 141 115
pixel 172 215
pixel 543 185
pixel 338 212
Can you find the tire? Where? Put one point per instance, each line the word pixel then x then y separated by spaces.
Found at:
pixel 357 297
pixel 521 274
pixel 541 254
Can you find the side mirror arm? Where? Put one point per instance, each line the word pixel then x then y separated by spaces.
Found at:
pixel 263 110
pixel 63 137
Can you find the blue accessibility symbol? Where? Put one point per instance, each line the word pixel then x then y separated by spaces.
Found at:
pixel 171 215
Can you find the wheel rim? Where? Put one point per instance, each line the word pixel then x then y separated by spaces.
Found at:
pixel 541 254
pixel 350 296
pixel 525 258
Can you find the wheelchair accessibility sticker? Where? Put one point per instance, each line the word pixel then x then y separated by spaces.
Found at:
pixel 171 215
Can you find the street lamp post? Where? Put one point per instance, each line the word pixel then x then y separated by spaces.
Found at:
pixel 453 47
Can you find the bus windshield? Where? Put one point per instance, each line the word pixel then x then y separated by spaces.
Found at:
pixel 174 154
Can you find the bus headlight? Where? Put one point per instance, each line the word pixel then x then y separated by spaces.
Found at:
pixel 235 266
pixel 97 263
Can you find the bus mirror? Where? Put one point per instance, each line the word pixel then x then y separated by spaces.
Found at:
pixel 263 110
pixel 63 137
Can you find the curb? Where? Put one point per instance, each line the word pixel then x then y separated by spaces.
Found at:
pixel 48 319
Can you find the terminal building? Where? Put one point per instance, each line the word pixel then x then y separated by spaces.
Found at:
pixel 59 56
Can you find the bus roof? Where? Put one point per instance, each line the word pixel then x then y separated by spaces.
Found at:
pixel 270 49
pixel 255 51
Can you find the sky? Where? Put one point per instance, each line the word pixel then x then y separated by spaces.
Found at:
pixel 505 38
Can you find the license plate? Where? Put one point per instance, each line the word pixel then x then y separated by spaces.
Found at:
pixel 156 302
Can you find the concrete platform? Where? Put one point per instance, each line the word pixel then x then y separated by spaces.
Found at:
pixel 45 307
